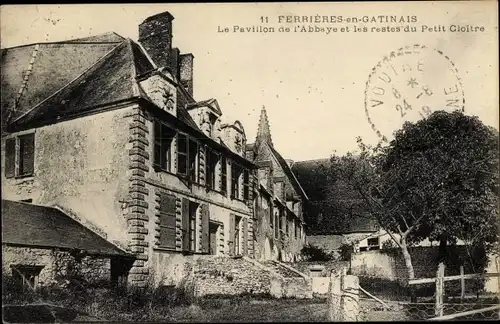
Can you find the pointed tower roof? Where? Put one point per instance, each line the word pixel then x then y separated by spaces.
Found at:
pixel 263 131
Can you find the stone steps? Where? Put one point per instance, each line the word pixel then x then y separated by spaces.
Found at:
pixel 280 269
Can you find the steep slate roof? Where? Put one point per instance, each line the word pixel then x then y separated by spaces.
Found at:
pixel 73 77
pixel 54 66
pixel 288 171
pixel 110 79
pixel 41 226
pixel 360 220
pixel 110 37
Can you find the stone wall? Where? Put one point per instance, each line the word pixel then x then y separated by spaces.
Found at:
pixel 80 165
pixel 228 276
pixel 56 264
pixel 298 287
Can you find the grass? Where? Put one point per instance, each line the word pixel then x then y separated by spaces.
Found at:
pixel 164 304
pixel 249 309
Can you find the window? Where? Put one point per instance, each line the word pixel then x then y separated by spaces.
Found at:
pixel 192 157
pixel 162 141
pixel 271 218
pixel 19 156
pixel 189 225
pixel 294 225
pixel 246 184
pixel 192 226
pixel 187 154
pixel 223 174
pixel 26 276
pixel 182 152
pixel 280 220
pixel 287 228
pixel 212 159
pixel 373 244
pixel 237 236
pixel 235 179
pixel 277 222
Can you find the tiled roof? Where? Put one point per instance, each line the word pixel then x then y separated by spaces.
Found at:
pixel 41 226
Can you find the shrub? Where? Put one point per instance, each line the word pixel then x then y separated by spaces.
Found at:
pixel 314 253
pixel 346 251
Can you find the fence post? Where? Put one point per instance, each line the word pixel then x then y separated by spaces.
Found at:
pixel 343 297
pixel 334 297
pixel 462 283
pixel 439 290
pixel 350 299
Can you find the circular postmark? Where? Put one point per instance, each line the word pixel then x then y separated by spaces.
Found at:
pixel 409 84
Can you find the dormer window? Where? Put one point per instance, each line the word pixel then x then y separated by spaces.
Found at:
pixel 212 120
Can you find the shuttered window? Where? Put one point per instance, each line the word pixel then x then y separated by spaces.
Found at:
pixel 223 175
pixel 235 179
pixel 192 158
pixel 232 221
pixel 246 184
pixel 20 156
pixel 182 152
pixel 10 157
pixel 205 227
pixel 245 236
pixel 212 159
pixel 186 233
pixel 167 221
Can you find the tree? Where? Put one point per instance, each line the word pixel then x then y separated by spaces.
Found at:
pixel 438 179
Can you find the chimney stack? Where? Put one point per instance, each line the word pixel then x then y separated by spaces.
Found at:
pixel 186 71
pixel 155 35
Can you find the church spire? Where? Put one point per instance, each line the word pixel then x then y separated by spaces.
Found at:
pixel 263 131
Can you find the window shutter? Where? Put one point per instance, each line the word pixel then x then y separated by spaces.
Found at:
pixel 157 144
pixel 185 225
pixel 245 236
pixel 205 219
pixel 10 157
pixel 167 221
pixel 27 154
pixel 231 235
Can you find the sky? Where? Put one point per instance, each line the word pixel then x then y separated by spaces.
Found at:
pixel 312 83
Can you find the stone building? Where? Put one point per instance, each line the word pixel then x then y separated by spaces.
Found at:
pixel 280 225
pixel 109 130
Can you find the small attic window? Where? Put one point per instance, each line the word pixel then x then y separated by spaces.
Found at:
pixel 212 119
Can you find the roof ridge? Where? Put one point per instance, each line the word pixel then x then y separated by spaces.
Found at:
pixel 70 41
pixel 155 67
pixel 278 156
pixel 87 224
pixel 135 86
pixel 103 58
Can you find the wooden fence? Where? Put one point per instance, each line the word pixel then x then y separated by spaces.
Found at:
pixel 440 279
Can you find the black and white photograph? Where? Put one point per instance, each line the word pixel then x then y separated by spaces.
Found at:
pixel 250 162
